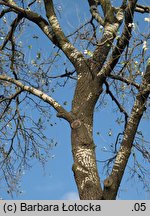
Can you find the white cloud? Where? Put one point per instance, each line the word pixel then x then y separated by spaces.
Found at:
pixel 70 196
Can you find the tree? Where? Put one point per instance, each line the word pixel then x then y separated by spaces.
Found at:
pixel 105 55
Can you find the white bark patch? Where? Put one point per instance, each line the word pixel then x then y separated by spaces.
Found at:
pixel 67 46
pixel 89 129
pixel 111 29
pixel 56 105
pixel 86 164
pixel 84 156
pixel 47 29
pixel 79 76
pixel 120 15
pixel 89 96
pixel 44 96
pixel 12 2
pixel 120 157
pixel 54 22
pixel 90 178
pixel 82 170
pixel 75 55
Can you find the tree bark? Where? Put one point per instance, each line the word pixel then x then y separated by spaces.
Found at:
pixel 83 148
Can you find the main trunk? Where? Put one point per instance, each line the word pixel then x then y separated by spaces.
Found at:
pixel 84 167
pixel 83 148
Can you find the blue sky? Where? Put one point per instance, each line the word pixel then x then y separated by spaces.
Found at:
pixel 56 181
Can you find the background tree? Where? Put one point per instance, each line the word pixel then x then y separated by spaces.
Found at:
pixel 105 55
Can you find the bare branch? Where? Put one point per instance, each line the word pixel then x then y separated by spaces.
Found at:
pixel 67 74
pixel 32 16
pixel 124 4
pixel 64 44
pixel 131 128
pixel 9 99
pixel 142 9
pixel 5 11
pixel 117 102
pixel 51 29
pixel 107 8
pixel 62 113
pixel 142 150
pixel 111 27
pixel 125 80
pixel 95 13
pixel 123 41
pixel 11 32
pixel 31 3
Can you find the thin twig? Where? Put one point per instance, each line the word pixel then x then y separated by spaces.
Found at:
pixel 117 102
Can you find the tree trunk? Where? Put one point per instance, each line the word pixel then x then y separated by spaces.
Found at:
pixel 84 167
pixel 83 148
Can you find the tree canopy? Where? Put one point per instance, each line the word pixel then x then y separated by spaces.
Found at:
pixel 76 61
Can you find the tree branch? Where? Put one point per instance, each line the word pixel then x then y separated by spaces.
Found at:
pixel 117 103
pixel 5 11
pixel 142 8
pixel 52 29
pixel 107 7
pixel 123 41
pixel 64 44
pixel 11 32
pixel 62 113
pixel 131 128
pixel 9 99
pixel 32 16
pixel 104 46
pixel 94 12
pixel 31 3
pixel 125 80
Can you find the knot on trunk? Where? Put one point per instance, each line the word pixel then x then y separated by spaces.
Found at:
pixel 108 182
pixel 76 124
